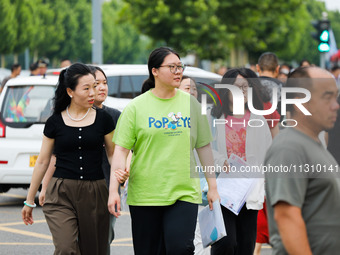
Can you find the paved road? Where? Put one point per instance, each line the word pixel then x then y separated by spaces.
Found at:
pixel 16 238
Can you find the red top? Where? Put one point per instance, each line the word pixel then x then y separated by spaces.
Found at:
pixel 272 119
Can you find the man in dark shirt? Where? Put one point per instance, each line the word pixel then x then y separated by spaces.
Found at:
pixel 16 69
pixel 334 138
pixel 268 69
pixel 303 204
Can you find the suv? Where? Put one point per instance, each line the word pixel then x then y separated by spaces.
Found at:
pixel 26 103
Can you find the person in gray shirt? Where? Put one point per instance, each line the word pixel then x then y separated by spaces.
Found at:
pixel 303 192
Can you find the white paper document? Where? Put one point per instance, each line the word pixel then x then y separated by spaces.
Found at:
pixel 234 191
pixel 211 224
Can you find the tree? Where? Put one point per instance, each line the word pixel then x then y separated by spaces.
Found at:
pixel 334 17
pixel 8 26
pixel 266 25
pixel 188 26
pixel 82 33
pixel 68 46
pixel 25 28
pixel 52 29
pixel 121 41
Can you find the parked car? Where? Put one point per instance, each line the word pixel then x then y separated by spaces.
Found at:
pixel 125 81
pixel 4 73
pixel 26 103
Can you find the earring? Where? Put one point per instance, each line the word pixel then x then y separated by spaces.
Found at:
pixel 70 96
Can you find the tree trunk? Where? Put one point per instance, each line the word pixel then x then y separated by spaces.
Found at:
pixel 15 58
pixel 35 56
pixel 3 61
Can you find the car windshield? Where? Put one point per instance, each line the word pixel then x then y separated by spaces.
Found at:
pixel 27 104
pixel 125 86
pixel 130 86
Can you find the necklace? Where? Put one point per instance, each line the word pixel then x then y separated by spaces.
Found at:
pixel 68 114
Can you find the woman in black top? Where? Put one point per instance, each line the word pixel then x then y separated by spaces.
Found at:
pixel 76 198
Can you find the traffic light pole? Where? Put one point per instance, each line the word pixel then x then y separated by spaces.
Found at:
pixel 323 60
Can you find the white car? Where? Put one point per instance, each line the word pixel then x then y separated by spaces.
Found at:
pixel 24 107
pixel 125 81
pixel 3 73
pixel 26 103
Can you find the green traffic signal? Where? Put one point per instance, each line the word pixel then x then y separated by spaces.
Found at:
pixel 324 37
pixel 324 41
pixel 324 47
pixel 322 34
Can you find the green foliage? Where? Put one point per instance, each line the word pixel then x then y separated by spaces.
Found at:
pixel 24 20
pixel 121 41
pixel 208 28
pixel 8 27
pixel 69 47
pixel 334 17
pixel 83 35
pixel 188 26
pixel 51 32
pixel 211 28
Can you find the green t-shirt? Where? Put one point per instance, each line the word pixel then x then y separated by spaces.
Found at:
pixel 162 134
pixel 317 194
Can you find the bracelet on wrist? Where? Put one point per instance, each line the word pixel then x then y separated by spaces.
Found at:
pixel 29 205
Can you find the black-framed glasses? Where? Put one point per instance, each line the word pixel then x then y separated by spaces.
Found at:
pixel 243 87
pixel 175 68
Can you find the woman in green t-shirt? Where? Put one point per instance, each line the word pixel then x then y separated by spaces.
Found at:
pixel 162 126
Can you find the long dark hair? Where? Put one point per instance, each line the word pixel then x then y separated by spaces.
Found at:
pixel 156 59
pixel 68 78
pixel 229 78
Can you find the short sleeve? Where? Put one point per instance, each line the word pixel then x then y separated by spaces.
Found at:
pixel 50 127
pixel 109 124
pixel 114 113
pixel 115 116
pixel 125 135
pixel 275 116
pixel 204 136
pixel 286 187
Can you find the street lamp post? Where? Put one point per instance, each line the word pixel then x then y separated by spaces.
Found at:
pixel 96 41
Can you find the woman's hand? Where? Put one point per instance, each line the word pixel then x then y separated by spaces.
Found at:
pixel 114 203
pixel 26 214
pixel 226 166
pixel 212 196
pixel 42 197
pixel 121 175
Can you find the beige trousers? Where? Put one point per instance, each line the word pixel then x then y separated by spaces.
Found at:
pixel 77 215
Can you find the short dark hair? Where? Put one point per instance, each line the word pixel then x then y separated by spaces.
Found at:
pixel 229 78
pixel 334 68
pixel 268 61
pixel 15 67
pixel 34 66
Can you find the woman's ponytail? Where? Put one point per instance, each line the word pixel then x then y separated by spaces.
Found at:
pixel 148 84
pixel 61 98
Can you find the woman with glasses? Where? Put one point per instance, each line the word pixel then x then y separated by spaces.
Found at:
pixel 162 126
pixel 248 141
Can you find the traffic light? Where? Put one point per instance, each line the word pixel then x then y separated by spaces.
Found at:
pixel 322 34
